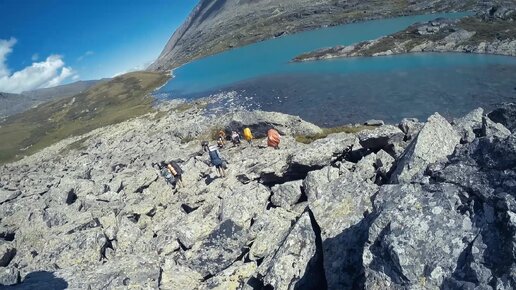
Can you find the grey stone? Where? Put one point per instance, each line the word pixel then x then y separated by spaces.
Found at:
pixel 269 230
pixel 286 194
pixel 384 162
pixel 315 181
pixel 469 126
pixel 411 127
pixel 339 214
pixel 178 277
pixel 380 138
pixel 218 251
pixel 7 253
pixel 374 123
pixel 129 272
pixel 8 276
pixel 234 277
pixel 365 167
pixel 244 203
pixel 417 237
pixel 490 128
pixel 322 151
pixel 505 115
pixel 436 141
pixel 292 258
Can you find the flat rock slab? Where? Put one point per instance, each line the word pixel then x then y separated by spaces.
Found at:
pixel 218 251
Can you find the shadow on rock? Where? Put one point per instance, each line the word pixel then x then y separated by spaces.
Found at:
pixel 41 280
pixel 338 260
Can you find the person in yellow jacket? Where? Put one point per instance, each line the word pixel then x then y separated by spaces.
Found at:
pixel 248 136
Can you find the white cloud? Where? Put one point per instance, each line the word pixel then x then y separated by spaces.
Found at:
pixel 140 67
pixel 5 49
pixel 86 54
pixel 35 57
pixel 44 74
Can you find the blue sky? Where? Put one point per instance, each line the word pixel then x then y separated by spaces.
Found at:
pixel 49 42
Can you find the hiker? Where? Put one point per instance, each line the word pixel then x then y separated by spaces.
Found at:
pixel 165 172
pixel 177 171
pixel 220 140
pixel 216 160
pixel 248 136
pixel 172 173
pixel 235 138
pixel 273 138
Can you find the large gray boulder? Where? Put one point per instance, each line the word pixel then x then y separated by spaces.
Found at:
pixel 486 170
pixel 470 125
pixel 339 213
pixel 321 152
pixel 490 128
pixel 287 266
pixel 244 203
pixel 411 127
pixel 505 115
pixel 316 180
pixel 417 237
pixel 383 137
pixel 286 194
pixel 436 141
pixel 268 232
pixel 218 251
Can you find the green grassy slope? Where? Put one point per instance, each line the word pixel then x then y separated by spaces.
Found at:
pixel 120 99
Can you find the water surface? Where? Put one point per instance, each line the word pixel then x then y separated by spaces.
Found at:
pixel 349 90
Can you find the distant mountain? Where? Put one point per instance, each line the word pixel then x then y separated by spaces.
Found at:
pixel 62 91
pixel 217 25
pixel 11 104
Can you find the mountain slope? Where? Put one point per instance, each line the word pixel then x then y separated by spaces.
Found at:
pixel 217 25
pixel 117 100
pixel 11 104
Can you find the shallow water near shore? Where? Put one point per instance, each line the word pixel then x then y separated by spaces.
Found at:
pixel 339 91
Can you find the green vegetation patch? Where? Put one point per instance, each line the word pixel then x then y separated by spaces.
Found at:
pixel 307 139
pixel 122 98
pixel 489 30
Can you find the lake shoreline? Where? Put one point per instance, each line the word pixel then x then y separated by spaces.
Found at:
pixel 492 32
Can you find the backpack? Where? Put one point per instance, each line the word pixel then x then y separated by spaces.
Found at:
pixel 166 173
pixel 176 167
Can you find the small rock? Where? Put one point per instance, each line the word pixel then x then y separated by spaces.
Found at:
pixel 374 123
pixel 411 127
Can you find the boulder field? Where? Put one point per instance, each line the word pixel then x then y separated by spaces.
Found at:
pixel 419 205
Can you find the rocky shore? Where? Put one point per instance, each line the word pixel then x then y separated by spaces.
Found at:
pixel 418 205
pixel 490 32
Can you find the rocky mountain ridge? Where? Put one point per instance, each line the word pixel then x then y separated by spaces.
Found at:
pixel 490 32
pixel 414 206
pixel 216 26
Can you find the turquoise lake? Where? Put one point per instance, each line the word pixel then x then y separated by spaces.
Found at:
pixel 339 91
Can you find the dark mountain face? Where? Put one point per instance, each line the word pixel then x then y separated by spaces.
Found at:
pixel 217 25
